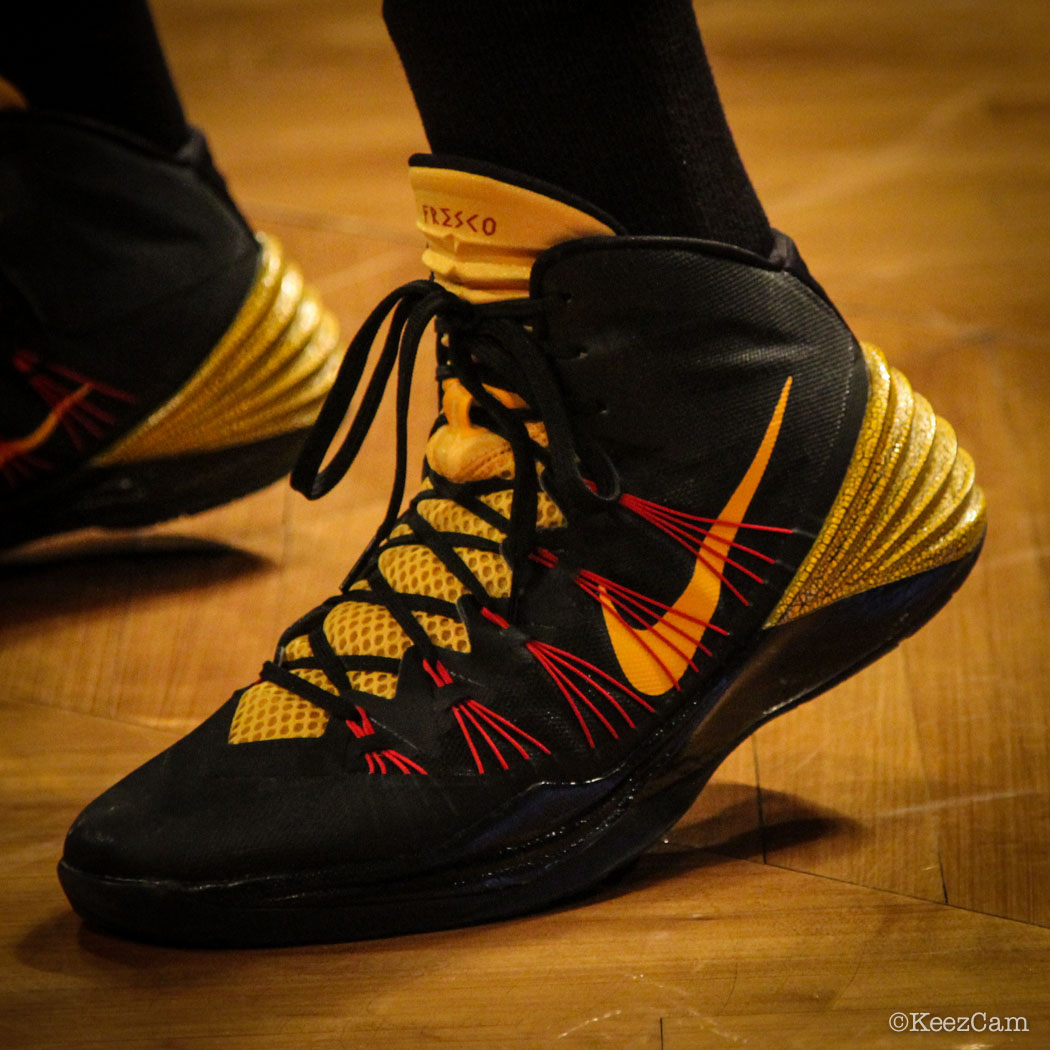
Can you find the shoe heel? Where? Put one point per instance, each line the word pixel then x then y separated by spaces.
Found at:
pixel 904 532
pixel 266 377
pixel 908 502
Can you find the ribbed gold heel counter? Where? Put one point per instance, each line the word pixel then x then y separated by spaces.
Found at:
pixel 908 502
pixel 267 376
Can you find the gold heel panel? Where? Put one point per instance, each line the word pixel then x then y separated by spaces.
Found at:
pixel 267 376
pixel 908 503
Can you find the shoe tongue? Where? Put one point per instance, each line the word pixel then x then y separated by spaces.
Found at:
pixel 484 232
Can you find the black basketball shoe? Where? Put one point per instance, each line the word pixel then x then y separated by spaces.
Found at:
pixel 668 497
pixel 156 358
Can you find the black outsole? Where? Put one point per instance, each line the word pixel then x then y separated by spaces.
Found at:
pixel 143 493
pixel 786 666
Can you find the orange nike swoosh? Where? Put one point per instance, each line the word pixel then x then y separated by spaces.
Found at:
pixel 13 449
pixel 647 659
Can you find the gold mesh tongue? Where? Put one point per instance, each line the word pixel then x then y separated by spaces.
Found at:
pixel 483 235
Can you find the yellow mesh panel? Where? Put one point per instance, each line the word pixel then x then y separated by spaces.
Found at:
pixel 379 683
pixel 418 570
pixel 499 501
pixel 316 677
pixel 491 569
pixel 548 516
pixel 298 648
pixel 444 631
pixel 446 516
pixel 355 628
pixel 268 712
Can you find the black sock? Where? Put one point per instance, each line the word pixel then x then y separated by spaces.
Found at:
pixel 612 100
pixel 97 60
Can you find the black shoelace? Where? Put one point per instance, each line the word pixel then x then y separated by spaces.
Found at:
pixel 498 345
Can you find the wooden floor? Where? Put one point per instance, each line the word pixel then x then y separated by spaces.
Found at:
pixel 886 848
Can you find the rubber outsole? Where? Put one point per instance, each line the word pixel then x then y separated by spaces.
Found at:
pixel 786 666
pixel 132 495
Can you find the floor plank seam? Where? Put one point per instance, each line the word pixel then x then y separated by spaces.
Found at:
pixel 896 893
pixel 175 728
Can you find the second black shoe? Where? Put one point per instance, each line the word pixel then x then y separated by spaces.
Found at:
pixel 669 497
pixel 156 358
